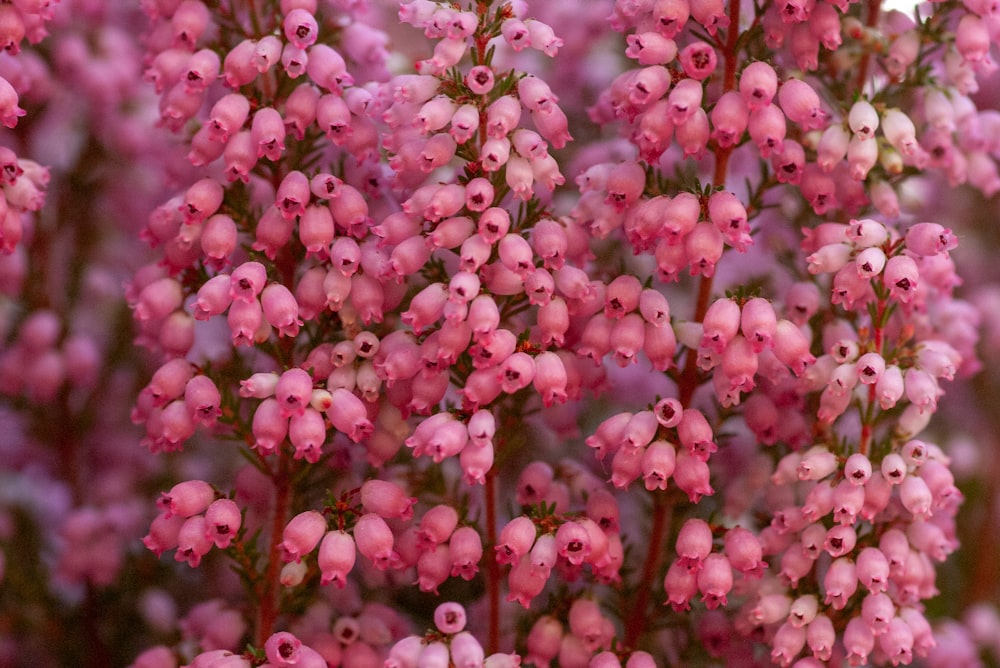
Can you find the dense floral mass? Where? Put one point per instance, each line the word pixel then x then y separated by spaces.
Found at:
pixel 498 332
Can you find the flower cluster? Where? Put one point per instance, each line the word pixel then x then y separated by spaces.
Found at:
pixel 380 297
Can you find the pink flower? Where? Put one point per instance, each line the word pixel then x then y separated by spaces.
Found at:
pixel 282 649
pixel 972 38
pixel 840 583
pixel 465 549
pixel 269 426
pixel 280 309
pixel 658 463
pixel 449 618
pixel 720 325
pixel 307 433
pixel 436 526
pixel 374 540
pixel 899 131
pixel 163 532
pixel 897 642
pixel 300 28
pixel 744 552
pixel 715 580
pixel 464 123
pixel 550 378
pixel 801 104
pixel 684 100
pixel 587 623
pixel 863 120
pixel 542 37
pixel 650 48
pixel 680 584
pixel 222 522
pixel 302 534
pixel 336 558
pixel 758 85
pixel 193 541
pixel 694 542
pixel 480 80
pixel 327 69
pixel 515 540
pixel 525 583
pixel 573 543
pixel 670 17
pixel 544 640
pixel 859 641
pixel 515 32
pixel 692 476
pixel 729 119
pixel 186 499
pixel 9 109
pixel 787 643
pixel 267 134
pixel 387 499
pixel 553 125
pixel 228 116
pixel 348 414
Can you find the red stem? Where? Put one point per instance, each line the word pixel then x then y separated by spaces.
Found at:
pixel 269 607
pixel 492 567
pixel 635 623
pixel 874 8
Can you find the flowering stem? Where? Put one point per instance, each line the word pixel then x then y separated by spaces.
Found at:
pixel 874 9
pixel 492 568
pixel 732 40
pixel 255 19
pixel 635 624
pixel 866 428
pixel 878 338
pixel 267 612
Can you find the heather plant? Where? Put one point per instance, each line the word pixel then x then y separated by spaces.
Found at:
pixel 500 333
